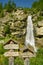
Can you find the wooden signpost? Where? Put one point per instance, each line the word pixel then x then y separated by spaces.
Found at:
pixel 11 45
pixel 26 54
pixel 13 52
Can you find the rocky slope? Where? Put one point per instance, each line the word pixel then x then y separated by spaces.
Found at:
pixel 17 22
pixel 39 33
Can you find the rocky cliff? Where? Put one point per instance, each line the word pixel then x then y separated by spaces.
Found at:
pixel 39 33
pixel 14 25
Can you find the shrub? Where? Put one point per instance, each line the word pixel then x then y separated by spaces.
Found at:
pixel 3 60
pixel 7 29
pixel 18 61
pixel 1 14
pixel 1 49
pixel 38 60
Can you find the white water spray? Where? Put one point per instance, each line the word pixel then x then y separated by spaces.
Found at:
pixel 30 35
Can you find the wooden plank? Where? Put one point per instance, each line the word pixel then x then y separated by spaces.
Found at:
pixel 11 53
pixel 27 54
pixel 11 46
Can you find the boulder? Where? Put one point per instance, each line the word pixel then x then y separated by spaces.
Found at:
pixel 40 23
pixel 15 33
pixel 39 41
pixel 39 31
pixel 20 15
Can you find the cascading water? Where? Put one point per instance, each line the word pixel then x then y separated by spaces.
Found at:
pixel 30 35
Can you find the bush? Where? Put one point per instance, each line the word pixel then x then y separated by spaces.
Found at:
pixel 1 14
pixel 38 60
pixel 26 10
pixel 1 11
pixel 1 49
pixel 3 60
pixel 6 29
pixel 18 61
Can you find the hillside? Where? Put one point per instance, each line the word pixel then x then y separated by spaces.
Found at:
pixel 13 24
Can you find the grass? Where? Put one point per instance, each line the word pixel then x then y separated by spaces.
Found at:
pixel 38 60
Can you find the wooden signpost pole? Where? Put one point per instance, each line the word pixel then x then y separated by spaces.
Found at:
pixel 11 46
pixel 26 61
pixel 11 60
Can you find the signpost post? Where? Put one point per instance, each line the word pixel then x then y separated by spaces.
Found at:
pixel 11 60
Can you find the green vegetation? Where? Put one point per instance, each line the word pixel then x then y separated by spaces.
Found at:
pixel 19 61
pixel 26 10
pixel 38 4
pixel 38 60
pixel 1 49
pixel 1 7
pixel 1 10
pixel 37 7
pixel 6 29
pixel 3 60
pixel 10 6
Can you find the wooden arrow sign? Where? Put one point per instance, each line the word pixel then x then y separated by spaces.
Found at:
pixel 27 54
pixel 11 46
pixel 11 53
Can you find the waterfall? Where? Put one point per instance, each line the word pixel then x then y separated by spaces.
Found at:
pixel 29 40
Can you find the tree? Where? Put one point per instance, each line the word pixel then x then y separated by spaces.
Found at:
pixel 34 5
pixel 10 6
pixel 38 4
pixel 13 5
pixel 1 10
pixel 1 7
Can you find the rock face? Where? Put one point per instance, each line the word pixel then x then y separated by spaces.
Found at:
pixel 20 15
pixel 40 23
pixel 39 28
pixel 39 41
pixel 39 33
pixel 16 22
